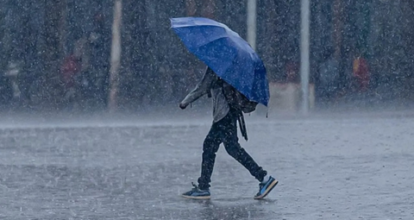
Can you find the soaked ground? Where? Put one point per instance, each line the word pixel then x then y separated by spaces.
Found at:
pixel 348 168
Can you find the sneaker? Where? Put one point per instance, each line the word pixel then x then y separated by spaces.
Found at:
pixel 197 193
pixel 265 187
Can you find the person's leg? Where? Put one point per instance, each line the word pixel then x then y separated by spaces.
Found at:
pixel 231 143
pixel 210 147
pixel 233 148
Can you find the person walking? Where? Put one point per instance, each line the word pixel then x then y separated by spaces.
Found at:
pixel 223 130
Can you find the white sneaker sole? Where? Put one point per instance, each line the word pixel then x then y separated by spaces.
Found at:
pixel 197 197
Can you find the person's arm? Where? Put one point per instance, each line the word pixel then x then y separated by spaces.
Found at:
pixel 201 89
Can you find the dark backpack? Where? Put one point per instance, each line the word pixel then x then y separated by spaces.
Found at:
pixel 237 100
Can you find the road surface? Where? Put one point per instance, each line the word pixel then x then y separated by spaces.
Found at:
pixel 328 168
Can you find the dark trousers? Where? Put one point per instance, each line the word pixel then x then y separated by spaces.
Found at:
pixel 225 131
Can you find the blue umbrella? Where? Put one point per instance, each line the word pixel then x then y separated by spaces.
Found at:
pixel 226 53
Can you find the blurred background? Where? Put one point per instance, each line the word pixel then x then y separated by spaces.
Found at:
pixel 56 55
pixel 67 65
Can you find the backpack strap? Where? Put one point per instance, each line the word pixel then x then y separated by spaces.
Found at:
pixel 242 124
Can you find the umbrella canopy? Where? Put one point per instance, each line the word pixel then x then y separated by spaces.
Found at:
pixel 226 53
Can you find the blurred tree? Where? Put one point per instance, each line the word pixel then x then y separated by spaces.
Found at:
pixel 51 49
pixel 268 39
pixel 208 9
pixel 337 28
pixel 191 7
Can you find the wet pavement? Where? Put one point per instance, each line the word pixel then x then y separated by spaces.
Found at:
pixel 349 168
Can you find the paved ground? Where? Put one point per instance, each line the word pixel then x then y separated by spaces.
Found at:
pixel 329 168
